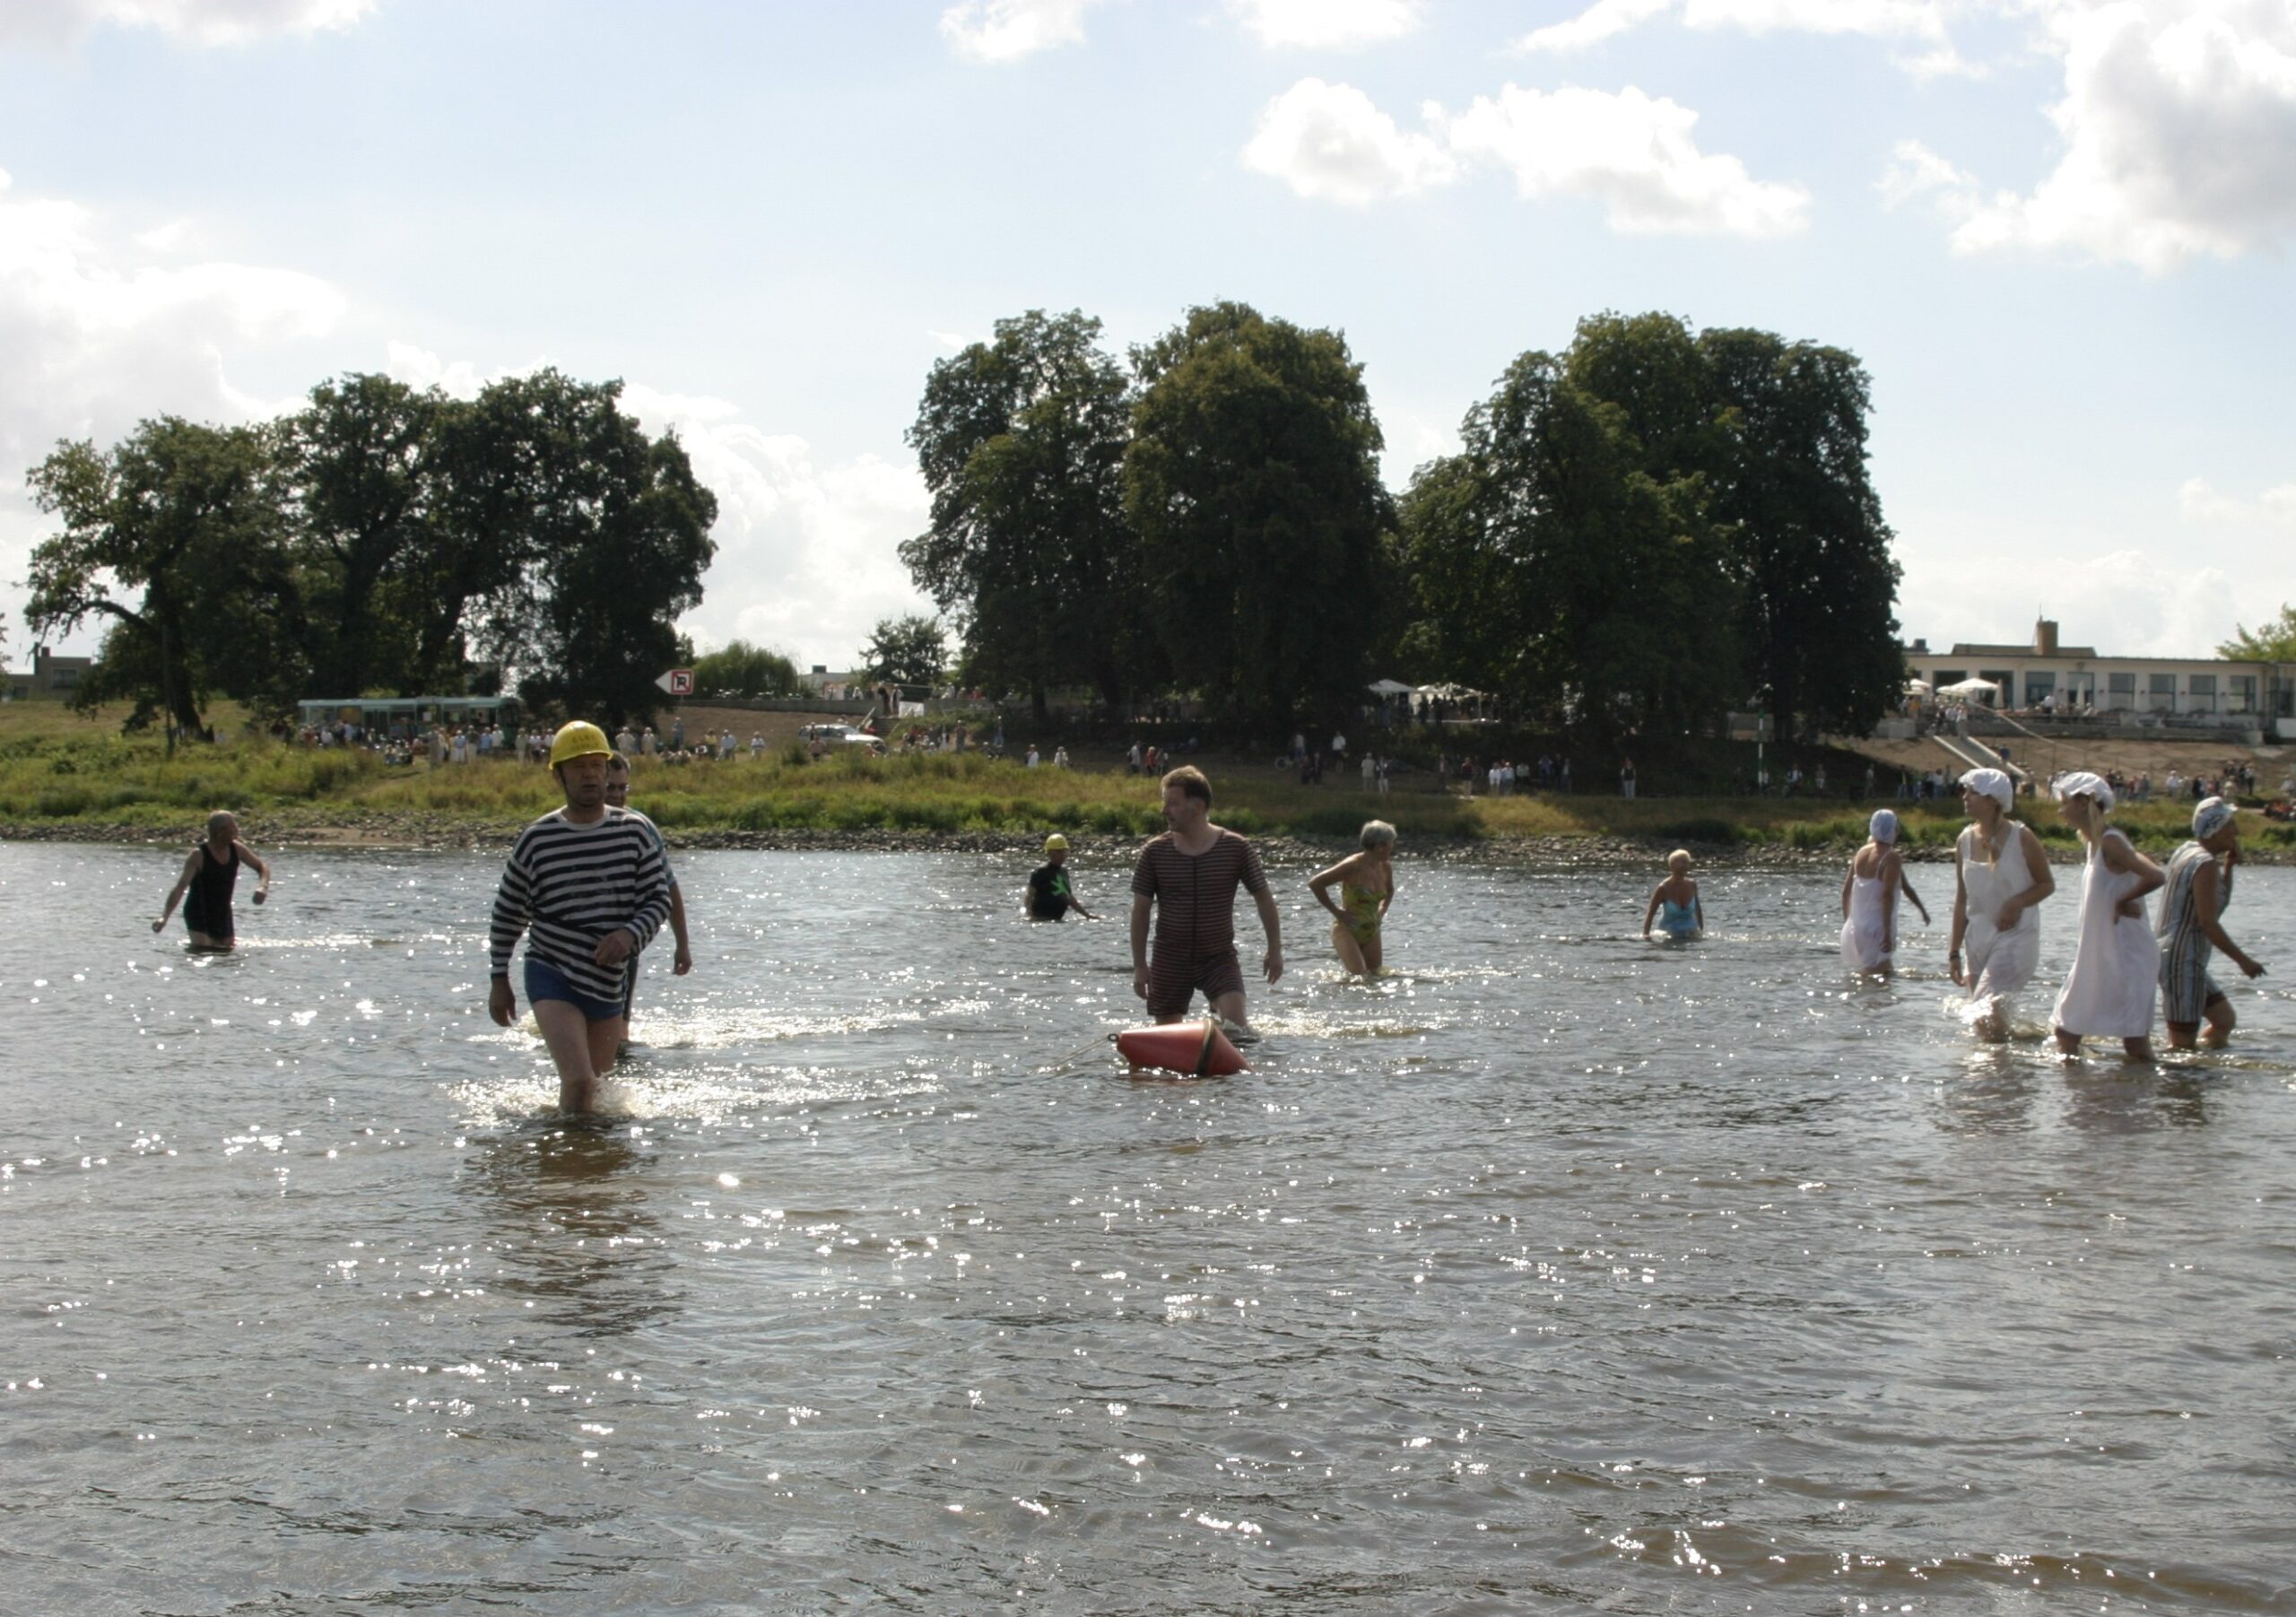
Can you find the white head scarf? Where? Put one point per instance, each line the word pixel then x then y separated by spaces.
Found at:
pixel 2210 816
pixel 1993 784
pixel 1884 826
pixel 2080 783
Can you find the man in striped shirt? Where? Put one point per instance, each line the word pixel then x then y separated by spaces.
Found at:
pixel 1188 876
pixel 589 886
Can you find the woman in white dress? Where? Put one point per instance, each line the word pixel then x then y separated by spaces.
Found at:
pixel 1999 873
pixel 1869 898
pixel 2115 964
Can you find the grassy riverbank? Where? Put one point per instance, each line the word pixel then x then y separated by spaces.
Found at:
pixel 62 776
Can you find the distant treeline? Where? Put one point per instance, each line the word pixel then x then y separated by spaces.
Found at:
pixel 382 540
pixel 1641 532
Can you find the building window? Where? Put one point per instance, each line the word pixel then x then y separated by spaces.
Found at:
pixel 2202 690
pixel 2039 688
pixel 2161 692
pixel 2120 692
pixel 2240 693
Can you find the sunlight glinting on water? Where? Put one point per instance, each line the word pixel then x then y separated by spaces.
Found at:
pixel 1555 1269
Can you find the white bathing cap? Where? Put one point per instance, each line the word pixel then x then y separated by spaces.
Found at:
pixel 2210 815
pixel 1884 826
pixel 1990 783
pixel 2080 783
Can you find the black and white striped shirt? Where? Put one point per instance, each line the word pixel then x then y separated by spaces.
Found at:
pixel 568 885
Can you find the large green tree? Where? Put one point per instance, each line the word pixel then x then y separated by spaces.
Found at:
pixel 174 540
pixel 1253 481
pixel 1811 551
pixel 1560 562
pixel 363 461
pixel 739 669
pixel 1021 440
pixel 608 532
pixel 910 650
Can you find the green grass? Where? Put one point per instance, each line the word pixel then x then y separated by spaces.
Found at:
pixel 58 768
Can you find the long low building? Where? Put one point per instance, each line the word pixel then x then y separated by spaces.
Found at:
pixel 2049 676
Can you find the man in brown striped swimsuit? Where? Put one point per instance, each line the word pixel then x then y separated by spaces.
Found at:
pixel 1190 876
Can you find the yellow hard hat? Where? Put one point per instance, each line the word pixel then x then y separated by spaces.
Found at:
pixel 578 739
pixel 1056 844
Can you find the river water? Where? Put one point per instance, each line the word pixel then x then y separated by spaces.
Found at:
pixel 1555 1272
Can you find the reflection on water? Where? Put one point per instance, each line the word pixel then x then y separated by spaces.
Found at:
pixel 1551 1270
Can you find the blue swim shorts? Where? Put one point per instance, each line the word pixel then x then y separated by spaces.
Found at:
pixel 547 981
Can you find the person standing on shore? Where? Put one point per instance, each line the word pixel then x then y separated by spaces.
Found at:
pixel 1188 877
pixel 2115 962
pixel 682 960
pixel 588 887
pixel 2000 873
pixel 2199 887
pixel 208 876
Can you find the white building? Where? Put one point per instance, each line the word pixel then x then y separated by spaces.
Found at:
pixel 2047 676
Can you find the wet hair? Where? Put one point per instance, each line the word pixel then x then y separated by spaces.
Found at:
pixel 1191 781
pixel 1375 832
pixel 1682 854
pixel 220 818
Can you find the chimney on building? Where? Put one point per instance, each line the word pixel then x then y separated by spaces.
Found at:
pixel 2045 637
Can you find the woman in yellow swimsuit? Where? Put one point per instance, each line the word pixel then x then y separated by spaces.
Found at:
pixel 1367 886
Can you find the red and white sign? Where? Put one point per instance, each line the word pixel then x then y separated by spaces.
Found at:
pixel 677 682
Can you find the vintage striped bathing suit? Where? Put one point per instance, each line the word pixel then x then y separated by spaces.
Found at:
pixel 1196 918
pixel 565 886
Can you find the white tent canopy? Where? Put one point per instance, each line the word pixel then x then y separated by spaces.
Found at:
pixel 1389 688
pixel 1917 687
pixel 1971 687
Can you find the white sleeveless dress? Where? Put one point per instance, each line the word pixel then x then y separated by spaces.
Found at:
pixel 1996 961
pixel 1861 933
pixel 2115 964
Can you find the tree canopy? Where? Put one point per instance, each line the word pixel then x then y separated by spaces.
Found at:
pixel 909 650
pixel 380 540
pixel 1652 526
pixel 2272 640
pixel 1021 442
pixel 739 669
pixel 1252 481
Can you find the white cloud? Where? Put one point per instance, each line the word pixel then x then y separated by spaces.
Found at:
pixel 2125 602
pixel 101 331
pixel 1633 152
pixel 1915 172
pixel 2199 502
pixel 1326 24
pixel 1916 23
pixel 103 328
pixel 806 551
pixel 1005 30
pixel 1329 141
pixel 2179 127
pixel 1599 22
pixel 54 24
pixel 1630 152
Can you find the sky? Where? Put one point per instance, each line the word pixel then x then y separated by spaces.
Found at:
pixel 2055 232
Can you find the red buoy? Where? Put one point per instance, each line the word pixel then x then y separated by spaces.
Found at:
pixel 1197 1048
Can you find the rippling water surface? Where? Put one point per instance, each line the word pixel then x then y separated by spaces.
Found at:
pixel 1556 1271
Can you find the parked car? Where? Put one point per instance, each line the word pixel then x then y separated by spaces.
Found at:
pixel 839 735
